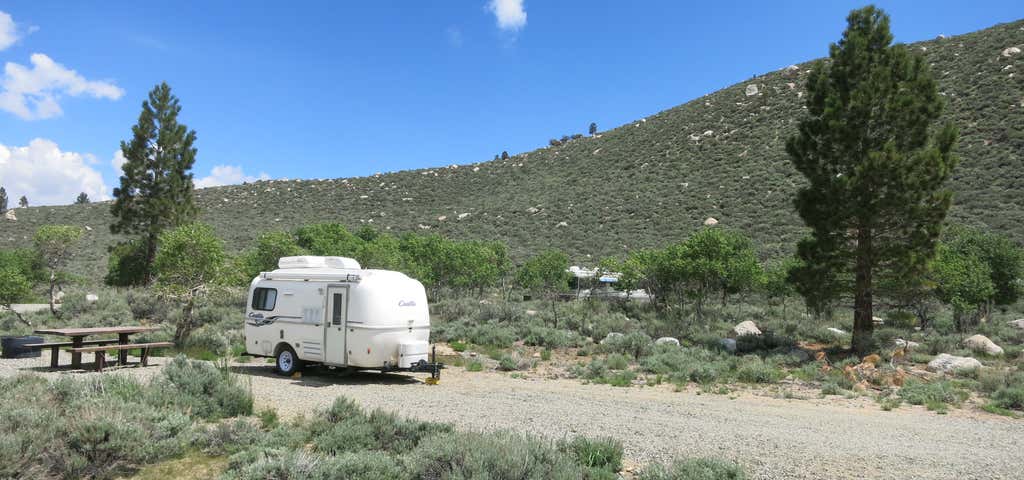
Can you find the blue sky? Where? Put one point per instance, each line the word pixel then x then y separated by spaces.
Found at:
pixel 337 89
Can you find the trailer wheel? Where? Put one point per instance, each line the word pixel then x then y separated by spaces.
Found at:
pixel 287 362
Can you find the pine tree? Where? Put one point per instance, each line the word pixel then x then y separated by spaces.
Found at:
pixel 156 191
pixel 3 200
pixel 83 198
pixel 23 202
pixel 504 155
pixel 875 165
pixel 593 129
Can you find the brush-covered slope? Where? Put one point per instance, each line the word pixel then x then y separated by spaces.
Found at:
pixel 644 184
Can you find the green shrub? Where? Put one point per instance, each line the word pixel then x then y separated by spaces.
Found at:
pixel 457 346
pixel 634 344
pixel 1009 398
pixel 474 365
pixel 696 469
pixel 765 342
pixel 755 370
pixel 931 394
pixel 600 453
pixel 226 437
pixel 617 361
pixel 494 456
pixel 199 387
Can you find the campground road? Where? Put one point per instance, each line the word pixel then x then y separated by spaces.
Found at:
pixel 772 438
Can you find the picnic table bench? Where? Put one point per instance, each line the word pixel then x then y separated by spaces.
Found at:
pixel 80 345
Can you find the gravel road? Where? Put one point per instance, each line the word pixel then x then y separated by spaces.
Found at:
pixel 772 438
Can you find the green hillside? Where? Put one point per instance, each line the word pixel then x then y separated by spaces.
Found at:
pixel 643 184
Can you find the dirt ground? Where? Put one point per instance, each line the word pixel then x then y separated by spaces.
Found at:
pixel 771 436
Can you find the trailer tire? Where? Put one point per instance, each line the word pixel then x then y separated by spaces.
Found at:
pixel 287 362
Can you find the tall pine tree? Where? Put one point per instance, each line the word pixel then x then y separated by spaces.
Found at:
pixel 83 198
pixel 875 165
pixel 156 191
pixel 3 200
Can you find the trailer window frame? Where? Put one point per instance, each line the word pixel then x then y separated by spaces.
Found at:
pixel 260 295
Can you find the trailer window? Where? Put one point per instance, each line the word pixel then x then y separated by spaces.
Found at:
pixel 338 308
pixel 264 299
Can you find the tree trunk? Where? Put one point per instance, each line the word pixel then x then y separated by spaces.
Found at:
pixel 150 258
pixel 53 284
pixel 863 303
pixel 184 328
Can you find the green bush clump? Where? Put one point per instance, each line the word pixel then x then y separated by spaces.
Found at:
pixel 754 370
pixel 932 394
pixel 495 456
pixel 72 428
pixel 595 453
pixel 617 361
pixel 345 427
pixel 201 388
pixel 635 344
pixel 765 342
pixel 1009 397
pixel 695 469
pixel 226 437
pixel 474 365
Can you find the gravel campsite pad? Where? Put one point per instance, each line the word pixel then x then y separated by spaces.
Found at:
pixel 771 438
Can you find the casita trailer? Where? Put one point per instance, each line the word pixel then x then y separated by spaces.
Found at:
pixel 329 311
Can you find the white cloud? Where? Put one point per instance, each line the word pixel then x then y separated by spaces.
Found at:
pixel 510 13
pixel 48 176
pixel 118 161
pixel 8 31
pixel 226 175
pixel 32 93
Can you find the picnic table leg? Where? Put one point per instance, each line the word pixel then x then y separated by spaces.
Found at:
pixel 54 355
pixel 122 355
pixel 145 357
pixel 101 358
pixel 76 357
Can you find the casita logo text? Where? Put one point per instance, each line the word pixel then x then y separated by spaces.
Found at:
pixel 407 303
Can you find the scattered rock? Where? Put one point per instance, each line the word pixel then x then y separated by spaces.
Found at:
pixel 11 216
pixel 58 297
pixel 476 169
pixel 878 320
pixel 442 218
pixel 792 68
pixel 946 363
pixel 791 85
pixel 562 224
pixel 531 312
pixel 710 221
pixel 907 344
pixel 729 344
pixel 463 215
pixel 444 349
pixel 800 354
pixel 611 337
pixel 1019 323
pixel 667 341
pixel 708 133
pixel 532 210
pixel 92 298
pixel 88 228
pixel 981 344
pixel 751 90
pixel 747 327
pixel 536 354
pixel 485 302
pixel 1009 52
pixel 837 331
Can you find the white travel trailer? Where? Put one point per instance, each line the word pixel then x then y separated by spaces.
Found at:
pixel 329 311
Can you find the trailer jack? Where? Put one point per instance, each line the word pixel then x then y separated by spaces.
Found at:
pixel 432 367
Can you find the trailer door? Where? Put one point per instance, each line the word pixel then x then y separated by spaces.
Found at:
pixel 334 335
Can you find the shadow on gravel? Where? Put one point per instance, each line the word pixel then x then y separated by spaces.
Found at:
pixel 324 377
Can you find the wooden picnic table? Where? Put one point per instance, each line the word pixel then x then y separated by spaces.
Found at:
pixel 78 339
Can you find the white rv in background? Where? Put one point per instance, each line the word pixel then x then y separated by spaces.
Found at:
pixel 329 311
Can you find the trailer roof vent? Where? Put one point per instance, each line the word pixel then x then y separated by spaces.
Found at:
pixel 309 261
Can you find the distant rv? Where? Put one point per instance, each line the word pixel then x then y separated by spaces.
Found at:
pixel 329 311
